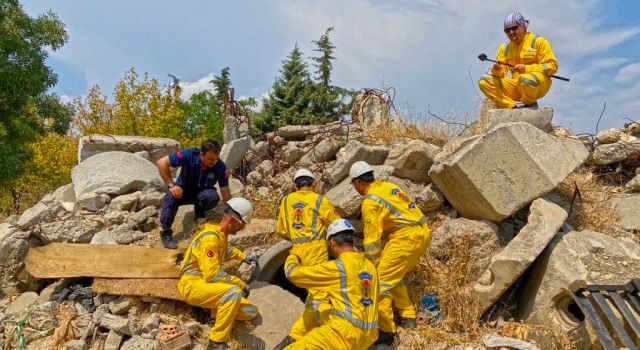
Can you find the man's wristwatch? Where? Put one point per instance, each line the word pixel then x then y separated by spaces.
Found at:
pixel 171 184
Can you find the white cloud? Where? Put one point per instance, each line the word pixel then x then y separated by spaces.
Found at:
pixel 609 62
pixel 191 88
pixel 628 73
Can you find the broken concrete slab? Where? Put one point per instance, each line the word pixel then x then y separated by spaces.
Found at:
pixel 298 132
pixel 103 237
pixel 141 217
pixel 322 152
pixel 494 341
pixel 609 135
pixel 138 343
pixel 21 304
pixel 93 201
pixel 484 242
pixel 496 174
pixel 126 201
pixel 429 199
pixel 120 305
pixel 369 110
pixel 233 152
pixel 634 184
pixel 278 311
pixel 587 256
pixel 540 118
pixel 13 250
pixel 113 341
pixel 113 173
pixel 354 151
pixel 115 323
pixel 627 209
pixel 35 215
pixel 254 233
pixel 152 198
pixel 346 199
pixel 411 159
pixel 157 147
pixel 615 152
pixel 545 219
pixel 76 230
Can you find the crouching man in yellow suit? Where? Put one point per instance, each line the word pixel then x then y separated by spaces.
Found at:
pixel 203 281
pixel 351 283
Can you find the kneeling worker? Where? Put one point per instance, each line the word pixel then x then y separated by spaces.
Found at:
pixel 203 281
pixel 351 283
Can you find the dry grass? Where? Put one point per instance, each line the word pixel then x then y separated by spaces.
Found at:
pixel 433 133
pixel 449 281
pixel 264 207
pixel 593 207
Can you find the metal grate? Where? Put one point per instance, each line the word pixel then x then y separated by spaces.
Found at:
pixel 596 303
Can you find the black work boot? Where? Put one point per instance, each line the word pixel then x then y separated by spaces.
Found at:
pixel 408 323
pixel 288 340
pixel 166 236
pixel 214 345
pixel 385 338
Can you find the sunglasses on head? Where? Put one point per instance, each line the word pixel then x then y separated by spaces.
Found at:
pixel 511 29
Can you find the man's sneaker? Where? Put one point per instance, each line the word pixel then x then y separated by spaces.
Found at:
pixel 214 345
pixel 385 338
pixel 166 236
pixel 408 323
pixel 288 340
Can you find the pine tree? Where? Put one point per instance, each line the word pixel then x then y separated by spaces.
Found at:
pixel 221 83
pixel 290 99
pixel 327 100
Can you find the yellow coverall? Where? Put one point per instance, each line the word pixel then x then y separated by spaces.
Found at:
pixel 389 210
pixel 536 54
pixel 203 281
pixel 303 219
pixel 351 282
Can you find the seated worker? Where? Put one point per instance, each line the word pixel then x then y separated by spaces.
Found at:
pixel 204 283
pixel 303 219
pixel 351 283
pixel 200 169
pixel 533 61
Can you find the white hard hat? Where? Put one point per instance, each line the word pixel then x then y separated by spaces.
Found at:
pixel 358 168
pixel 242 207
pixel 303 173
pixel 339 225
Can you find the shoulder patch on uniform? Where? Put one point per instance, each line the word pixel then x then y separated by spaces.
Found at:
pixel 365 287
pixel 210 253
pixel 179 154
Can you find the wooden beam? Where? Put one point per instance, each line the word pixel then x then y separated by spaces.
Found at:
pixel 58 260
pixel 161 288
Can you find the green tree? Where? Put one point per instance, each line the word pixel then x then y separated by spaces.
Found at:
pixel 327 100
pixel 26 112
pixel 289 101
pixel 202 116
pixel 221 83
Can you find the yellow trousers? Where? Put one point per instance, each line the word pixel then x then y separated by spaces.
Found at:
pixel 399 256
pixel 527 88
pixel 224 300
pixel 336 334
pixel 316 310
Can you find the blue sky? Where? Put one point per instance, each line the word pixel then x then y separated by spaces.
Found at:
pixel 425 49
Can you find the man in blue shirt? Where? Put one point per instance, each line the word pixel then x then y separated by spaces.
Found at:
pixel 200 169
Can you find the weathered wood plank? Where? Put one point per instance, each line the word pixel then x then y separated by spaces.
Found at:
pixel 161 288
pixel 58 260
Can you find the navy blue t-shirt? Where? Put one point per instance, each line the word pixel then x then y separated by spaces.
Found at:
pixel 193 178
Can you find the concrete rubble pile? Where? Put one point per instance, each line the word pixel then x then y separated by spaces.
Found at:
pixel 493 186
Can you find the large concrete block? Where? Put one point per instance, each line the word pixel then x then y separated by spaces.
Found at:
pixel 627 208
pixel 298 132
pixel 540 118
pixel 346 199
pixel 322 152
pixel 113 173
pixel 589 257
pixel 278 311
pixel 545 219
pixel 615 152
pixel 157 147
pixel 352 152
pixel 500 172
pixel 411 159
pixel 233 152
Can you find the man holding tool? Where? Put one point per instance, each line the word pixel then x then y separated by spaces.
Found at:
pixel 531 62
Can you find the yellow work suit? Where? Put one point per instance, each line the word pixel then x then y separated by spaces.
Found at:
pixel 536 54
pixel 303 219
pixel 386 209
pixel 203 281
pixel 351 283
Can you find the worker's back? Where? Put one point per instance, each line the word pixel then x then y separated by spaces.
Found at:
pixel 401 209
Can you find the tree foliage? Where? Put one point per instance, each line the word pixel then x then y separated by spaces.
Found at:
pixel 26 112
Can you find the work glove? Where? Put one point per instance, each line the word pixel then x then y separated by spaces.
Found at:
pixel 245 291
pixel 251 259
